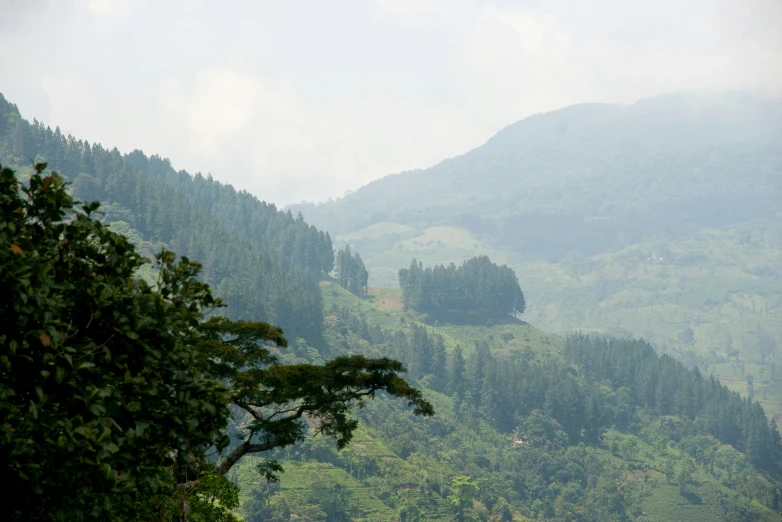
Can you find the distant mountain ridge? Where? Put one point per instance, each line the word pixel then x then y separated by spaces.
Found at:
pixel 625 435
pixel 661 219
pixel 589 174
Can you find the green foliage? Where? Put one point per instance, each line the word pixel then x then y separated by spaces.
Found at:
pixel 114 392
pixel 530 461
pixel 662 385
pixel 464 490
pixel 101 387
pixel 263 262
pixel 214 500
pixel 477 286
pixel 352 275
pixel 541 430
pixel 276 398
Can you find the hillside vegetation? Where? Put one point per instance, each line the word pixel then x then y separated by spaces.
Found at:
pixel 528 425
pixel 536 465
pixel 660 220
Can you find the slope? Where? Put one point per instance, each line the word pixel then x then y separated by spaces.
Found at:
pixel 265 265
pixel 651 468
pixel 659 219
pixel 578 178
pixel 521 430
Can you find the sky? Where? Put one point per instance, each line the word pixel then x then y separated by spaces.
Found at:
pixel 298 100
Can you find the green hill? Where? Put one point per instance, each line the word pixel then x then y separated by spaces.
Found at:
pixel 529 425
pixel 660 219
pixel 403 468
pixel 587 178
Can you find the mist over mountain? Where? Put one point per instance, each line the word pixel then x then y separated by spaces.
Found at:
pixel 659 219
pixel 590 177
pixel 528 425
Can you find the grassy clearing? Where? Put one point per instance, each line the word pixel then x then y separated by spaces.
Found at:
pixel 386 298
pixel 383 308
pixel 376 231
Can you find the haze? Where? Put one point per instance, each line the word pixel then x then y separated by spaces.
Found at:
pixel 306 100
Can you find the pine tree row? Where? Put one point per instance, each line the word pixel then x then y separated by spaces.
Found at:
pixel 478 286
pixel 352 275
pixel 509 387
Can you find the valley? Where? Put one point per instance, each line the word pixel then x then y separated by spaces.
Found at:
pixel 561 412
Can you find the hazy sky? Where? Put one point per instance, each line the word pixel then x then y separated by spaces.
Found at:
pixel 302 100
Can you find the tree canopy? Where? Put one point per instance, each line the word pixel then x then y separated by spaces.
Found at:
pixel 351 272
pixel 477 286
pixel 110 387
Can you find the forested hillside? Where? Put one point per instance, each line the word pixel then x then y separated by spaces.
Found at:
pixel 264 262
pixel 659 219
pixel 528 426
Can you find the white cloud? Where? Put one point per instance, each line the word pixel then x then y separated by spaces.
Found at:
pixel 223 102
pixel 419 7
pixel 113 7
pixel 70 97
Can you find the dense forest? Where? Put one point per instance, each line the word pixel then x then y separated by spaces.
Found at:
pixel 115 394
pixel 264 262
pixel 552 431
pixel 527 425
pixel 616 382
pixel 477 286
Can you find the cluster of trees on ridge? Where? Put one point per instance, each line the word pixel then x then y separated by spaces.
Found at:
pixel 114 392
pixel 352 275
pixel 477 286
pixel 664 386
pixel 289 238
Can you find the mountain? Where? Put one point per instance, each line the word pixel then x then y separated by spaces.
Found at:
pixel 529 425
pixel 590 177
pixel 661 219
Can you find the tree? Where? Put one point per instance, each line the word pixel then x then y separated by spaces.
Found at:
pixel 279 397
pixel 463 489
pixel 100 389
pixel 456 374
pixel 686 336
pixel 351 272
pixel 629 446
pixel 258 506
pixel 684 476
pixel 112 390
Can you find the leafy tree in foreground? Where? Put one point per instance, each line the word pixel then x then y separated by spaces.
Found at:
pixel 111 390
